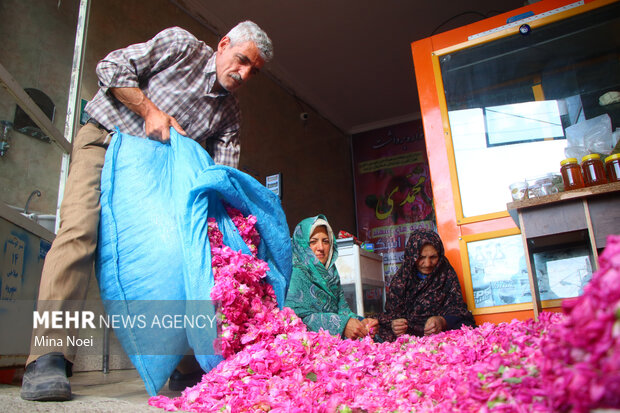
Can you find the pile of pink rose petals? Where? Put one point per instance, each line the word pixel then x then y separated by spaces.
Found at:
pixel 563 362
pixel 248 310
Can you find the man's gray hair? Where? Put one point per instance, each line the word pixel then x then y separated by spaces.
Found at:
pixel 249 31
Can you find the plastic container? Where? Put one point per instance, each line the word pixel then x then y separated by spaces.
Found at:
pixel 534 189
pixel 541 186
pixel 612 164
pixel 571 174
pixel 518 190
pixel 557 182
pixel 593 170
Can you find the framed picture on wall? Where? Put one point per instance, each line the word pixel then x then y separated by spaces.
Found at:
pixel 562 272
pixel 495 272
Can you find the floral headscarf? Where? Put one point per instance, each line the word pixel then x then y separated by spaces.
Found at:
pixel 417 299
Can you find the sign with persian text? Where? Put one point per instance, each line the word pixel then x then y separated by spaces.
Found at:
pixel 392 189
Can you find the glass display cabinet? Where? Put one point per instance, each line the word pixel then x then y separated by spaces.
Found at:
pixel 501 101
pixel 361 277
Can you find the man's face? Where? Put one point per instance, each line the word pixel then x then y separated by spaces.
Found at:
pixel 236 64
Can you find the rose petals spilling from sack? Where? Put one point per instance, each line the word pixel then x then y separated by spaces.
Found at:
pixel 560 363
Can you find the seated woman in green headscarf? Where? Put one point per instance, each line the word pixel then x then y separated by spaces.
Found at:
pixel 315 293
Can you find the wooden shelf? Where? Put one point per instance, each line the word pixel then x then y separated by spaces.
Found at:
pixel 553 220
pixel 563 196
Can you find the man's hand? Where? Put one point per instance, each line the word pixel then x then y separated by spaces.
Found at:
pixel 156 123
pixel 435 324
pixel 371 325
pixel 355 329
pixel 399 326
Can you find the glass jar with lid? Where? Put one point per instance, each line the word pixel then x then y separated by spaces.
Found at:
pixel 571 174
pixel 593 170
pixel 612 164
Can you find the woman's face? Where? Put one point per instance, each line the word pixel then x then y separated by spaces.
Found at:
pixel 320 244
pixel 428 259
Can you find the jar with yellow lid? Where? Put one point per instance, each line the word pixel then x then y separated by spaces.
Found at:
pixel 612 164
pixel 593 170
pixel 571 174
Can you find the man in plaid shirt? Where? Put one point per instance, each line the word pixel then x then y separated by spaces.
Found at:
pixel 172 80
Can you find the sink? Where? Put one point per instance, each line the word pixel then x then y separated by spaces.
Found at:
pixel 47 221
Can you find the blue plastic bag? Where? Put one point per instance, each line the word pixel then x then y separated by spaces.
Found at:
pixel 154 246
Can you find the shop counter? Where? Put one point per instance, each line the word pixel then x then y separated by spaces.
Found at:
pixel 578 221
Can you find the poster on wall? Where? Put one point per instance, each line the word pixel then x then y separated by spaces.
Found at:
pixel 499 272
pixel 392 189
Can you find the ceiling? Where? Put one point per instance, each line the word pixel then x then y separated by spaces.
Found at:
pixel 349 60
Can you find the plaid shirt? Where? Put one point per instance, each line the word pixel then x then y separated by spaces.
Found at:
pixel 177 73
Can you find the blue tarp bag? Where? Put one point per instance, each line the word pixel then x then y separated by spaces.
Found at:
pixel 154 260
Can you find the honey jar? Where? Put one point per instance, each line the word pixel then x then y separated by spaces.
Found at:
pixel 571 174
pixel 593 170
pixel 612 164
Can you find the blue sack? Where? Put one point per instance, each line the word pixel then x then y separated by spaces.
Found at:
pixel 154 257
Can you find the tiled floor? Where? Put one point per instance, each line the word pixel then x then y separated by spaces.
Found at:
pixel 117 391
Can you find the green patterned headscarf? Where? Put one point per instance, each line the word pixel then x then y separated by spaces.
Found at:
pixel 303 256
pixel 315 293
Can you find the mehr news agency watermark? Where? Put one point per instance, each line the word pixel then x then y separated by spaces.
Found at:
pixel 154 327
pixel 88 320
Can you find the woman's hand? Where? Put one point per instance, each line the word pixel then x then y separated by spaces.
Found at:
pixel 399 326
pixel 435 324
pixel 355 329
pixel 371 325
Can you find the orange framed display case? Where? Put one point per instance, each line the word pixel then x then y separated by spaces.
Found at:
pixel 546 58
